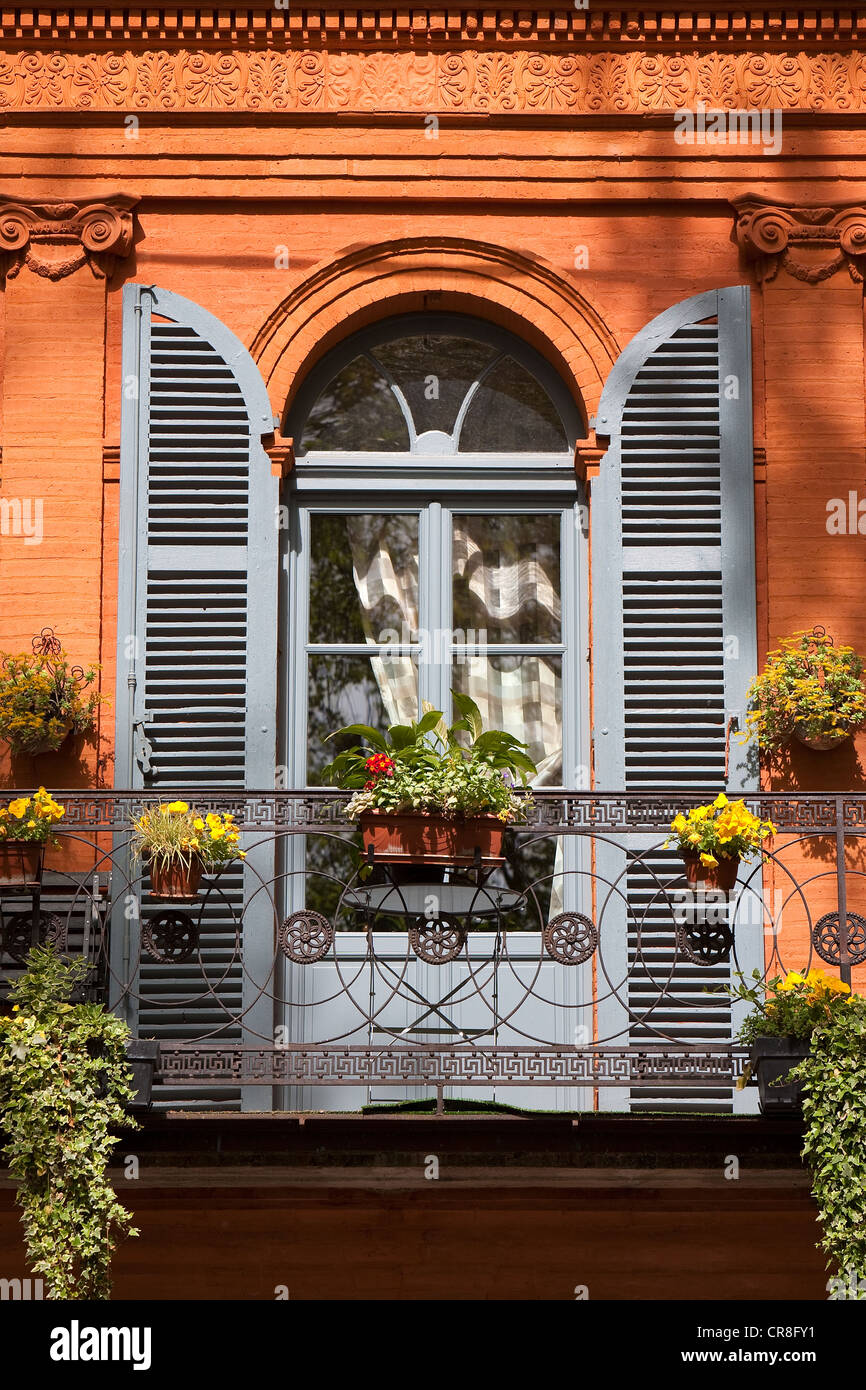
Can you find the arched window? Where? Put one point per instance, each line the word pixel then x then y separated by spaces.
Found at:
pixel 436 539
pixel 437 384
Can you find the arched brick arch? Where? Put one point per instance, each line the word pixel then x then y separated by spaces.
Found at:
pixel 520 293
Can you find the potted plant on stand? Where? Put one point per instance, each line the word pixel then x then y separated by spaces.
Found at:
pixel 810 690
pixel 429 794
pixel 26 827
pixel 177 843
pixel 715 839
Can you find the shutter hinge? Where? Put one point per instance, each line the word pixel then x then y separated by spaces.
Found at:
pixel 142 747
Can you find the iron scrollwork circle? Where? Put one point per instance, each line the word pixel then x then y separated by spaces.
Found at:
pixel 306 936
pixel 170 938
pixel 571 938
pixel 16 933
pixel 436 940
pixel 710 943
pixel 825 938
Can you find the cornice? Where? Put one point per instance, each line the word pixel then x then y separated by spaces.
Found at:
pixel 54 239
pixel 809 243
pixel 510 22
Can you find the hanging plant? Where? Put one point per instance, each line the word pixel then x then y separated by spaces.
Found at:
pixel 44 699
pixel 811 690
pixel 817 1015
pixel 64 1082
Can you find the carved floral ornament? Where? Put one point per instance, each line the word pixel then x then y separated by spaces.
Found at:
pixel 552 78
pixel 56 239
pixel 811 243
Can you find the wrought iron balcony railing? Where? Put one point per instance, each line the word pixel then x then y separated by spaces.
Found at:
pixel 584 965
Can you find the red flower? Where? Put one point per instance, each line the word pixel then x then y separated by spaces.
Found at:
pixel 368 786
pixel 380 765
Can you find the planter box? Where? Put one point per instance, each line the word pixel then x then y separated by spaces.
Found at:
pixel 20 862
pixel 426 839
pixel 143 1055
pixel 772 1058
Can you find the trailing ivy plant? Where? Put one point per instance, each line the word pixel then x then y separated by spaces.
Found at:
pixel 817 1007
pixel 834 1145
pixel 64 1080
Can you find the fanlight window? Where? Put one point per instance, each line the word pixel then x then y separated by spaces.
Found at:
pixel 434 392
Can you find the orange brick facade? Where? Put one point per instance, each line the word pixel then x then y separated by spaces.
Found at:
pixel 302 172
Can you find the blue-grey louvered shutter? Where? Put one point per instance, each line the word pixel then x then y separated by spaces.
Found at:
pixel 674 628
pixel 197 625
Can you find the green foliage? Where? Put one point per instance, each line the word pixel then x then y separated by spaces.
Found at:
pixel 64 1080
pixel 427 766
pixel 810 683
pixel 817 1007
pixel 834 1146
pixel 42 701
pixel 792 1007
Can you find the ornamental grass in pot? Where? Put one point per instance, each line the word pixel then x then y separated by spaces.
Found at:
pixel 26 827
pixel 715 839
pixel 177 843
pixel 427 793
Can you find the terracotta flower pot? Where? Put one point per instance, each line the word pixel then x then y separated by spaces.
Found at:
pixel 418 838
pixel 718 878
pixel 176 880
pixel 821 745
pixel 20 862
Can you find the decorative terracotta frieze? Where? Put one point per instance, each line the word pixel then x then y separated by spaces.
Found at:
pixel 810 243
pixel 56 239
pixel 509 21
pixel 469 80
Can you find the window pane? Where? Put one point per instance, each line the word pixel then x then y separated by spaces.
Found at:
pixel 513 413
pixel 523 696
pixel 507 578
pixel 363 578
pixel 434 372
pixel 379 690
pixel 357 410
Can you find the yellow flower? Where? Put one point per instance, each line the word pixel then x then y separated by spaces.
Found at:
pixel 720 801
pixel 791 981
pixel 178 808
pixel 679 823
pixel 19 807
pixel 198 823
pixel 213 821
pixel 710 860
